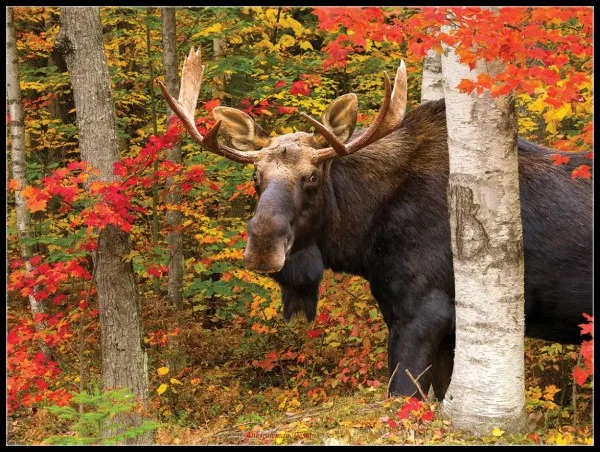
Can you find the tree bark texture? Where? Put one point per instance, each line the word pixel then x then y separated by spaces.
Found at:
pixel 432 85
pixel 124 361
pixel 174 217
pixel 487 388
pixel 17 149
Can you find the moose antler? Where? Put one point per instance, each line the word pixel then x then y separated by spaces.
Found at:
pixel 388 119
pixel 185 106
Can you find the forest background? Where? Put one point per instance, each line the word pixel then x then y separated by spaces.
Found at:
pixel 223 366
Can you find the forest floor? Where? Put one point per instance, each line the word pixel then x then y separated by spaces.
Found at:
pixel 230 392
pixel 365 418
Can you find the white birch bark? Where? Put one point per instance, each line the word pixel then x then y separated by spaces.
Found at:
pixel 17 150
pixel 432 85
pixel 487 388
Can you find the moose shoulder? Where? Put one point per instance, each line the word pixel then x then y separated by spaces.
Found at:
pixel 374 204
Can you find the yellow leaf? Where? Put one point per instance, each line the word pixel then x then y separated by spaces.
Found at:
pixel 162 388
pixel 270 313
pixel 162 371
pixel 497 432
pixel 130 256
pixel 305 45
pixel 215 28
pixel 287 41
pixel 550 391
pixel 560 440
pixel 175 381
pixel 334 344
pixel 562 112
pixel 271 15
pixel 551 127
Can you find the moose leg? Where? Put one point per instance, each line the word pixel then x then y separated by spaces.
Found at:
pixel 416 331
pixel 443 363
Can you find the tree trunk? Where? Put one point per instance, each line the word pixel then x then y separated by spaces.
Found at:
pixel 17 150
pixel 177 357
pixel 124 361
pixel 155 279
pixel 174 216
pixel 487 388
pixel 432 85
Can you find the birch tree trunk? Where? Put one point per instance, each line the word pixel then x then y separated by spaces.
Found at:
pixel 432 85
pixel 17 150
pixel 124 361
pixel 487 388
pixel 174 217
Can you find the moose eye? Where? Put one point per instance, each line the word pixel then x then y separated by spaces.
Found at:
pixel 255 178
pixel 313 179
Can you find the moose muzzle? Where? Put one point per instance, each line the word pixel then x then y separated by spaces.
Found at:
pixel 270 235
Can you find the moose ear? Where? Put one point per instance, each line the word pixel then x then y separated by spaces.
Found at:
pixel 240 130
pixel 340 118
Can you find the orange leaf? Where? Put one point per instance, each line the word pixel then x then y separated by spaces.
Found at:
pixel 37 205
pixel 582 171
pixel 466 86
pixel 13 184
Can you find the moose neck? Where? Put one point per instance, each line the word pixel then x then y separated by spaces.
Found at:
pixel 354 189
pixel 358 187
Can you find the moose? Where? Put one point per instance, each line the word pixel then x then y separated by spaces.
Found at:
pixel 373 203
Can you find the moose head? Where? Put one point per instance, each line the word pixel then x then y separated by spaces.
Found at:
pixel 290 170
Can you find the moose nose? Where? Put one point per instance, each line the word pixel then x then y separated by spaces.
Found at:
pixel 269 229
pixel 269 240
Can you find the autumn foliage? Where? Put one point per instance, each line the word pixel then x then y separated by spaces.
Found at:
pixel 279 61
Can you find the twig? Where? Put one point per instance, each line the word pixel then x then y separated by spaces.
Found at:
pixel 390 381
pixel 416 382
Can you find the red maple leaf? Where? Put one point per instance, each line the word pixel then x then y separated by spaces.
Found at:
pixel 427 416
pixel 209 105
pixel 300 88
pixel 582 171
pixel 587 328
pixel 312 333
pixel 286 110
pixel 580 375
pixel 558 159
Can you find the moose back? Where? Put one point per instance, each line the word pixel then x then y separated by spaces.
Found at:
pixel 374 204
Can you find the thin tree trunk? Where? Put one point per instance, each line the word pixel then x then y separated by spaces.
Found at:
pixel 124 361
pixel 155 280
pixel 432 85
pixel 177 355
pixel 487 388
pixel 174 217
pixel 17 151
